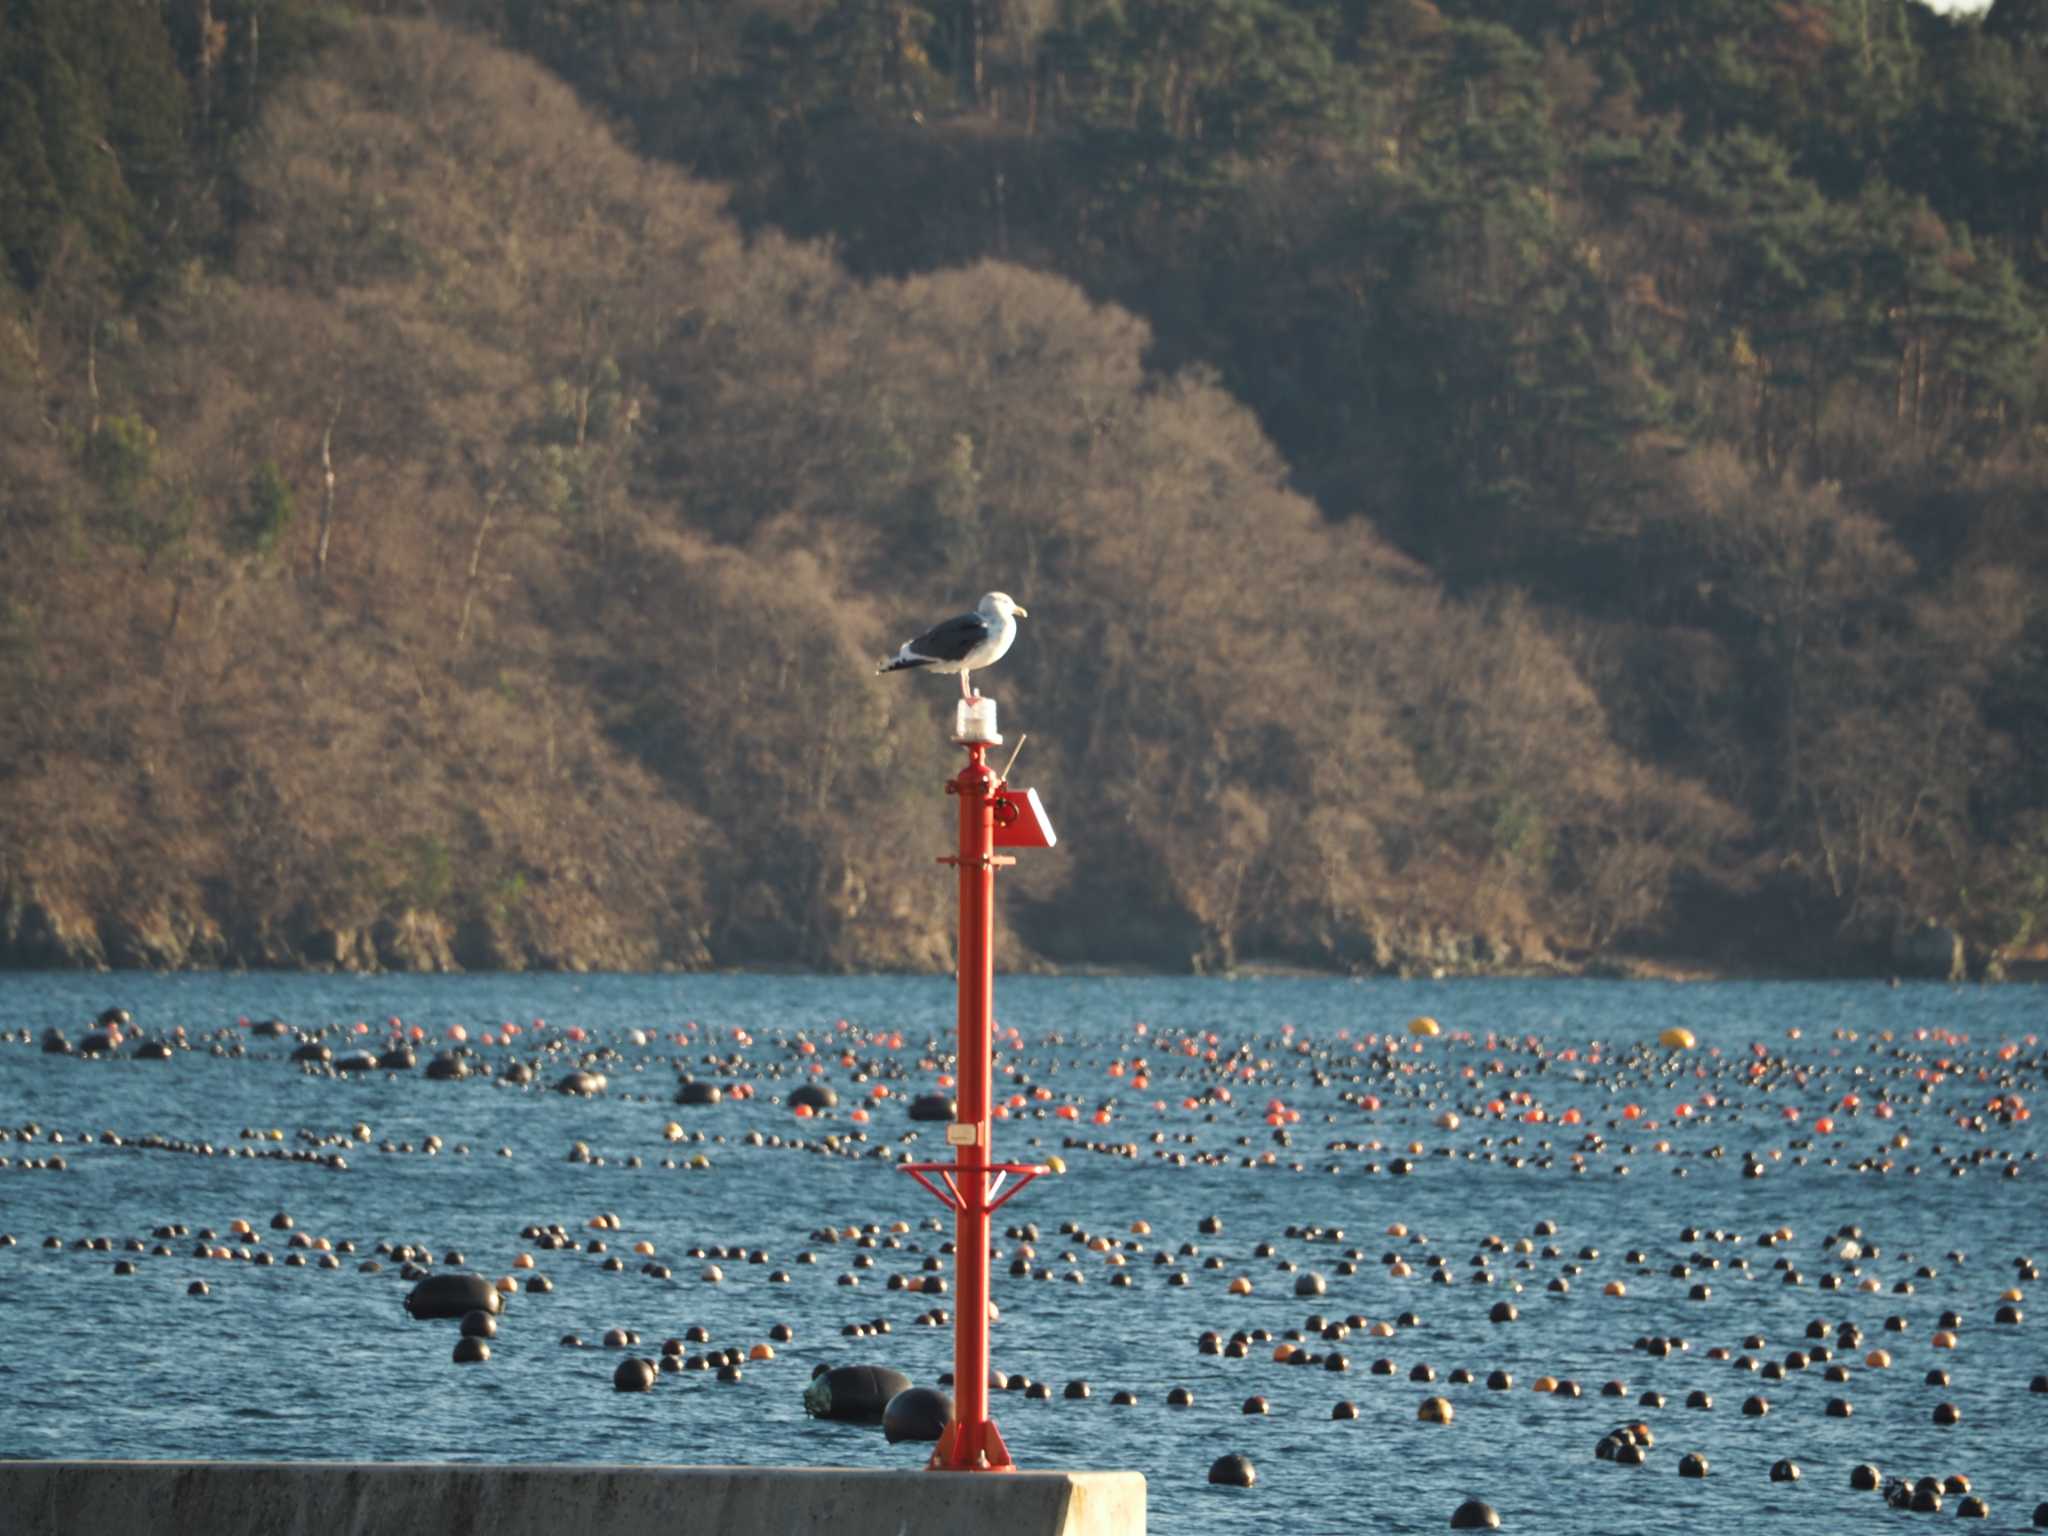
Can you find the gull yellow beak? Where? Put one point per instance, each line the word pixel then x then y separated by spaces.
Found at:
pixel 1021 612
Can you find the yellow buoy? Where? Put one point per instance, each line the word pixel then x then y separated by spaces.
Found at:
pixel 1424 1027
pixel 1241 1286
pixel 1677 1038
pixel 1056 1163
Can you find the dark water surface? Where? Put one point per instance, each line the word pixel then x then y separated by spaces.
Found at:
pixel 289 1362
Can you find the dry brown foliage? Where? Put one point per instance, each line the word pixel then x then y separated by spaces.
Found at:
pixel 622 510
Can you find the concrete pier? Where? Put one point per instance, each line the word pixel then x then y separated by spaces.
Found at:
pixel 233 1498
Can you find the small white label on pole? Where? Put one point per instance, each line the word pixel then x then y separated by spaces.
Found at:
pixel 963 1133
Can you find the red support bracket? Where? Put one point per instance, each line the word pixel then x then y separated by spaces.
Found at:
pixel 994 1197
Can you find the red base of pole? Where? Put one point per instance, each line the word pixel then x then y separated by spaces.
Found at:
pixel 971 1448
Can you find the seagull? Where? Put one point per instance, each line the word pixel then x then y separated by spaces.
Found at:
pixel 964 643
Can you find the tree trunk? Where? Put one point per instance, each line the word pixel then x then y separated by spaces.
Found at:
pixel 326 495
pixel 205 20
pixel 92 378
pixel 975 67
pixel 476 560
pixel 255 53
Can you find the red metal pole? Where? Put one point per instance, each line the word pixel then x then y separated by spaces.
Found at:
pixel 972 1443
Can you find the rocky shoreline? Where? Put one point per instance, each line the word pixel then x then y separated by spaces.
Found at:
pixel 37 934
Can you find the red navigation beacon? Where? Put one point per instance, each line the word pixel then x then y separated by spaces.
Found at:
pixel 992 815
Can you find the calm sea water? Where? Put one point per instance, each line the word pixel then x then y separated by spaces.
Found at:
pixel 285 1362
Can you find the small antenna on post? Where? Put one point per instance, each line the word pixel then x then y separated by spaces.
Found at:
pixel 1004 776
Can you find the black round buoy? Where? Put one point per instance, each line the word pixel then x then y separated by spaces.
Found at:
pixel 634 1375
pixel 1785 1471
pixel 1973 1508
pixel 453 1296
pixel 690 1091
pixel 813 1096
pixel 1692 1464
pixel 917 1413
pixel 1503 1312
pixel 1233 1471
pixel 479 1325
pixel 1475 1515
pixel 1344 1409
pixel 1499 1381
pixel 933 1106
pixel 2041 1516
pixel 857 1394
pixel 1947 1413
pixel 1179 1397
pixel 1865 1478
pixel 470 1349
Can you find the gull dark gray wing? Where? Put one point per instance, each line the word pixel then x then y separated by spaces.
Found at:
pixel 952 640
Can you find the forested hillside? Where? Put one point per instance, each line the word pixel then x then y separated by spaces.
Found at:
pixel 1496 484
